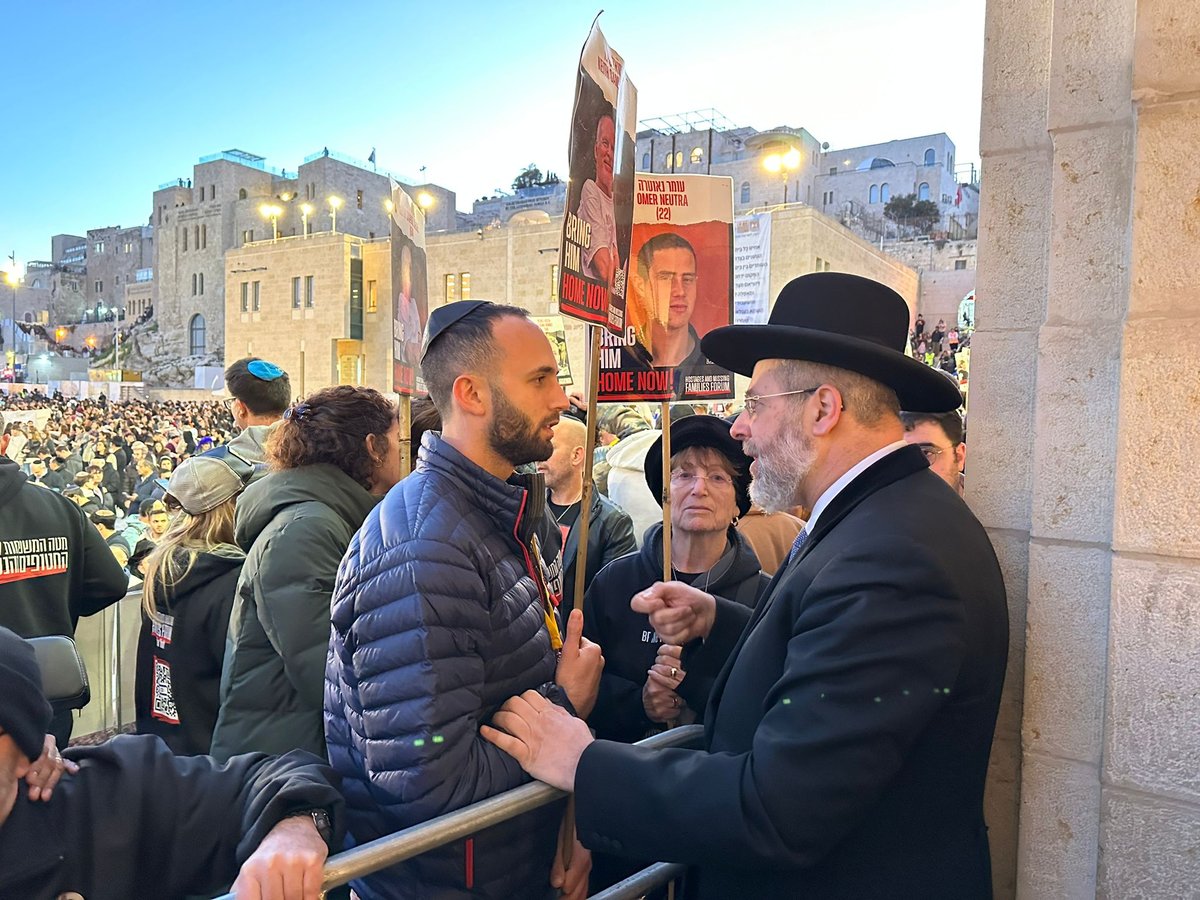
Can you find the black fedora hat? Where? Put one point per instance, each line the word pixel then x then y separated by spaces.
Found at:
pixel 701 431
pixel 839 320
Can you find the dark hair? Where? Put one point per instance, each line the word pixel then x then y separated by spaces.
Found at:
pixel 950 422
pixel 424 417
pixel 261 397
pixel 464 346
pixel 330 426
pixel 668 240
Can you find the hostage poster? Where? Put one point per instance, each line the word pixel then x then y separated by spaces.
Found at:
pixel 681 287
pixel 594 252
pixel 410 292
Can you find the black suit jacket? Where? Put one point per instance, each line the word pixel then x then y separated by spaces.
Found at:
pixel 848 736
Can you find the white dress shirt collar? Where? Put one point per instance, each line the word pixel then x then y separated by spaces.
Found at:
pixel 838 486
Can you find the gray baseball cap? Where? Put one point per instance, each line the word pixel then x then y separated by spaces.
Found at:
pixel 203 483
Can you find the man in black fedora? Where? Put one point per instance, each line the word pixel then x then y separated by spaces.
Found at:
pixel 846 740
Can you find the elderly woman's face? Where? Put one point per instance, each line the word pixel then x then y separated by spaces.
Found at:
pixel 703 496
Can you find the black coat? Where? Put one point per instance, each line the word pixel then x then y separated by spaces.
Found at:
pixel 630 644
pixel 847 739
pixel 56 566
pixel 178 682
pixel 137 821
pixel 610 535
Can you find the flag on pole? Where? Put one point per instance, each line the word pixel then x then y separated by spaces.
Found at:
pixel 371 158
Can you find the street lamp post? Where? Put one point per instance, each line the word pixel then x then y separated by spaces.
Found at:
pixel 784 164
pixel 10 275
pixel 272 212
pixel 335 203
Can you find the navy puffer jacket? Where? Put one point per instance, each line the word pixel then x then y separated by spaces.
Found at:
pixel 437 620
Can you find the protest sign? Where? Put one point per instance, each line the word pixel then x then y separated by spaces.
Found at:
pixel 555 330
pixel 752 269
pixel 410 292
pixel 594 257
pixel 681 288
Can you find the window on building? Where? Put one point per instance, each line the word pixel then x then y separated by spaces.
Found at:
pixel 697 156
pixel 372 296
pixel 645 161
pixel 360 199
pixel 212 192
pixel 819 267
pixel 678 159
pixel 946 198
pixel 129 246
pixel 256 296
pixel 930 157
pixel 99 246
pixel 204 235
pixel 201 193
pixel 885 192
pixel 185 237
pixel 554 282
pixel 451 288
pixel 833 171
pixel 960 264
pixel 296 292
pixel 245 296
pixel 950 162
pixel 195 284
pixel 464 285
pixel 117 280
pixel 745 193
pixel 202 283
pixel 667 162
pixel 873 196
pixel 827 265
pixel 197 234
pixel 241 193
pixel 99 286
pixel 248 236
pixel 309 292
pixel 923 191
pixel 196 335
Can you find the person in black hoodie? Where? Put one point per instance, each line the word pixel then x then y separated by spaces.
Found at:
pixel 710 482
pixel 191 577
pixel 644 686
pixel 54 566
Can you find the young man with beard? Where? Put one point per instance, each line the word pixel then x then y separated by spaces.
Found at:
pixel 847 738
pixel 442 610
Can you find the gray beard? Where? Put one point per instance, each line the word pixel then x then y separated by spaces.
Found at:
pixel 780 472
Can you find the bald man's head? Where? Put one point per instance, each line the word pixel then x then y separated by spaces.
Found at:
pixel 564 468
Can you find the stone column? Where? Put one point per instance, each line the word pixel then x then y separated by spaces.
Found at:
pixel 1085 394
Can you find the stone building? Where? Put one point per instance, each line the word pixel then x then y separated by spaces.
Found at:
pixel 707 143
pixel 859 181
pixel 294 300
pixel 234 199
pixel 114 257
pixel 1084 428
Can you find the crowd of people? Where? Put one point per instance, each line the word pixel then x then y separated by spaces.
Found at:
pixel 378 647
pixel 939 346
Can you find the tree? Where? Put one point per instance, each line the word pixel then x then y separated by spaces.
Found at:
pixel 531 176
pixel 908 210
pixel 528 177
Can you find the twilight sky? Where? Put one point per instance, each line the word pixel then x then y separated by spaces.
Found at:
pixel 105 101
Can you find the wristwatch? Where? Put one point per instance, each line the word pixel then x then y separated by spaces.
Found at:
pixel 320 820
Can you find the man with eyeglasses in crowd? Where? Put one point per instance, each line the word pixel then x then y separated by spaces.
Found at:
pixel 847 738
pixel 940 437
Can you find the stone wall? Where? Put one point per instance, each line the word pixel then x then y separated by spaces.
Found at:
pixel 1083 428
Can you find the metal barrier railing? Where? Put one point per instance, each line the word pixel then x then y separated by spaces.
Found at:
pixel 403 845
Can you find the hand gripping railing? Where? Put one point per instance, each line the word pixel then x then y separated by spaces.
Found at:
pixel 396 848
